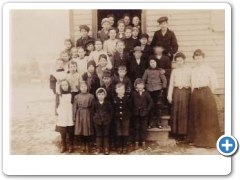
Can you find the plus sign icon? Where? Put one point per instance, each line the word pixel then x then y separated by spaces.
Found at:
pixel 227 145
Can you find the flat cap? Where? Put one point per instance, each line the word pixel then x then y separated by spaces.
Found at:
pixel 88 42
pixel 138 81
pixel 137 48
pixel 105 20
pixel 144 36
pixel 84 27
pixel 162 19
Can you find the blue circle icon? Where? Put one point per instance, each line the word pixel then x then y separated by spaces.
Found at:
pixel 227 145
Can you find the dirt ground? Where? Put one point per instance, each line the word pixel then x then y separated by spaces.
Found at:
pixel 32 123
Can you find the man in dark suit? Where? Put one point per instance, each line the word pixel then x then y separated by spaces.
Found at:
pixel 166 37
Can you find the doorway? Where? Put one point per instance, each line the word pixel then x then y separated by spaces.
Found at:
pixel 118 15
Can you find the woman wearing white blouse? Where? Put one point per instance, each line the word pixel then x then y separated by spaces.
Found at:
pixel 179 93
pixel 203 129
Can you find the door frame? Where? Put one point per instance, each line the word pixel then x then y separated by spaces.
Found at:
pixel 95 23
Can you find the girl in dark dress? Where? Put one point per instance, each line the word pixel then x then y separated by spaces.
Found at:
pixel 82 115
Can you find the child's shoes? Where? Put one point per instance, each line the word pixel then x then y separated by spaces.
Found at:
pixel 70 150
pixel 106 151
pixel 144 147
pixel 136 145
pixel 63 149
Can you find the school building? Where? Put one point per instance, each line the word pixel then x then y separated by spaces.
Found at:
pixel 194 29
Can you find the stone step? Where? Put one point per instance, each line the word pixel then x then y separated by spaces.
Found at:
pixel 156 134
pixel 165 121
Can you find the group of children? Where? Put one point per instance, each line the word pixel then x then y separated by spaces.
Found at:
pixel 104 87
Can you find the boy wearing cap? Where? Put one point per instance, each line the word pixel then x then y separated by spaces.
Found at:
pixel 142 105
pixel 137 64
pixel 103 34
pixel 166 37
pixel 102 113
pixel 84 30
pixel 122 78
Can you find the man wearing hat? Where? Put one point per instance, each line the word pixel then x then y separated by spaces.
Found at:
pixel 165 36
pixel 84 30
pixel 138 65
pixel 103 34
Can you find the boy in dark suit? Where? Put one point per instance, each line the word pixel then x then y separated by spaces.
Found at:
pixel 102 113
pixel 166 37
pixel 142 105
pixel 122 113
pixel 129 41
pixel 138 64
pixel 84 30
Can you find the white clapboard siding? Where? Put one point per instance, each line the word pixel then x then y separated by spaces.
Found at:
pixel 81 17
pixel 192 28
pixel 193 31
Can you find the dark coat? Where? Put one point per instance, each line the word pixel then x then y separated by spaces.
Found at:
pixel 169 40
pixel 118 61
pixel 110 91
pixel 129 44
pixel 126 81
pixel 122 108
pixel 122 113
pixel 102 113
pixel 165 63
pixel 102 35
pixel 143 104
pixel 95 83
pixel 81 41
pixel 147 51
pixel 135 70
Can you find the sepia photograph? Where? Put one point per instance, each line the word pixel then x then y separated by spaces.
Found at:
pixel 116 81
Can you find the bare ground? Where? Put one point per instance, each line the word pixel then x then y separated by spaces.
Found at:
pixel 32 124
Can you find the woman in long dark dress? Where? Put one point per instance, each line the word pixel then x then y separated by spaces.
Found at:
pixel 203 129
pixel 179 93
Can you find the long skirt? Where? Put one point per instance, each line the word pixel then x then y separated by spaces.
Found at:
pixel 180 110
pixel 203 129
